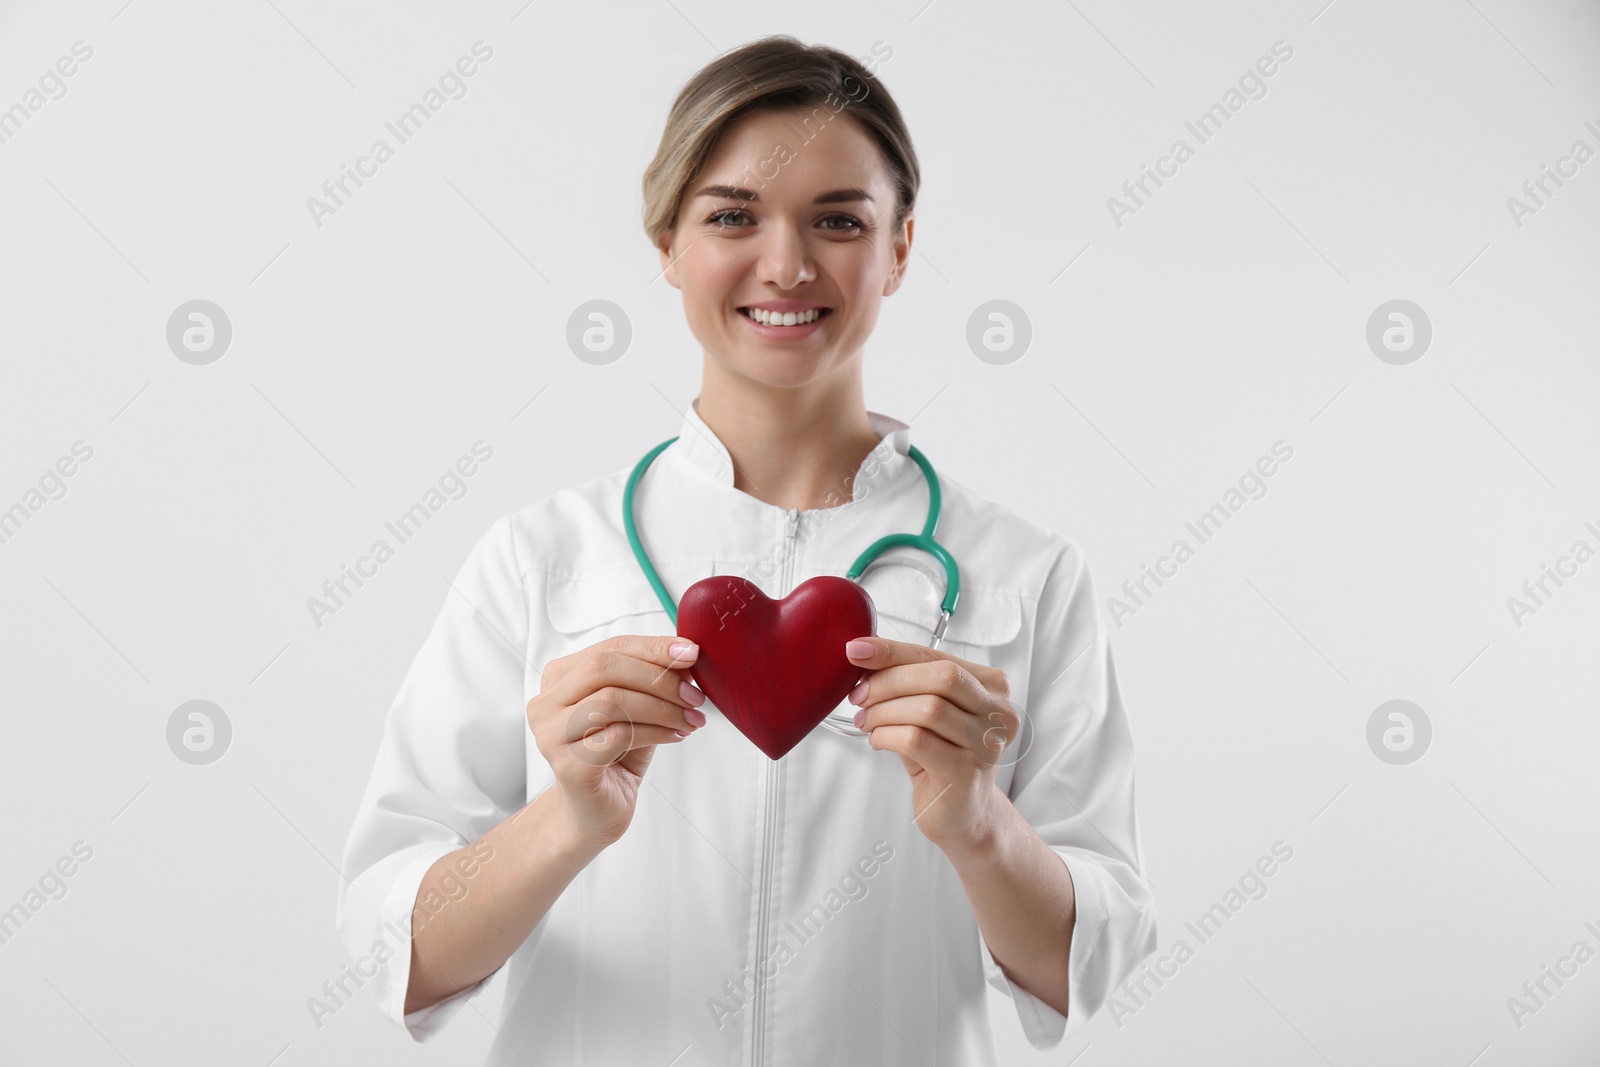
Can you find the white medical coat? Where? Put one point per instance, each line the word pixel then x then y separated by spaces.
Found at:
pixel 755 912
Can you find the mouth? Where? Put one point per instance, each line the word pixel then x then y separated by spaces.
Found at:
pixel 785 319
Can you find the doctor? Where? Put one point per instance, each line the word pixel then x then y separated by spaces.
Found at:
pixel 552 795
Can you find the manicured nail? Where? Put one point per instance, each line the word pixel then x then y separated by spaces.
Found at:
pixel 858 695
pixel 690 694
pixel 861 717
pixel 683 649
pixel 696 718
pixel 858 649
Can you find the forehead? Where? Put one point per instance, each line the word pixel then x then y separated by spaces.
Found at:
pixel 793 154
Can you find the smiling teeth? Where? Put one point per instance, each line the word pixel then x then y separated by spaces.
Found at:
pixel 786 318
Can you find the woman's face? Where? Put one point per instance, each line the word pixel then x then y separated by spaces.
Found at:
pixel 751 234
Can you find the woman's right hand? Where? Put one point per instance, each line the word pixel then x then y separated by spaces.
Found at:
pixel 598 718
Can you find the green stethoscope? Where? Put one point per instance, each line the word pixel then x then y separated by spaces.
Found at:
pixel 923 541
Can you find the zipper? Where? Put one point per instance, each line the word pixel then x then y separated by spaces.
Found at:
pixel 791 527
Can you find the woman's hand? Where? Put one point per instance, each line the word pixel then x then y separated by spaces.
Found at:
pixel 598 718
pixel 949 720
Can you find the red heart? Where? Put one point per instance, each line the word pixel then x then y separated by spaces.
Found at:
pixel 775 668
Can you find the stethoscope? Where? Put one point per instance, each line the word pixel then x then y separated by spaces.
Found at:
pixel 843 724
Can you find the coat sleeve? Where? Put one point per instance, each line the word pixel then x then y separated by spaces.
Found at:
pixel 451 765
pixel 1073 781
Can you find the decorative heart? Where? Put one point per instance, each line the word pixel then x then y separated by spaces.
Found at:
pixel 775 668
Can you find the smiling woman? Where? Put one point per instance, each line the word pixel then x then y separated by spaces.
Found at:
pixel 781 207
pixel 998 768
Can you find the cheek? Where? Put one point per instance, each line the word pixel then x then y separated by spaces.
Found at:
pixel 864 308
pixel 714 265
pixel 860 279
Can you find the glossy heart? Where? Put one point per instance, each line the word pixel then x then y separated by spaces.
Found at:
pixel 775 668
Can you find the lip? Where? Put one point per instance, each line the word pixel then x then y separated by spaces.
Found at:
pixel 784 333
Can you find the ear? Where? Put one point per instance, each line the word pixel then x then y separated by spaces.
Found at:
pixel 902 256
pixel 669 267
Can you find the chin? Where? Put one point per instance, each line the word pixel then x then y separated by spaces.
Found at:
pixel 777 370
pixel 780 379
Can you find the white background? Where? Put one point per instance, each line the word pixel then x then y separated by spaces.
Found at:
pixel 1227 313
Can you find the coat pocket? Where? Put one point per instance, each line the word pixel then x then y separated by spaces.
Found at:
pixel 600 603
pixel 908 599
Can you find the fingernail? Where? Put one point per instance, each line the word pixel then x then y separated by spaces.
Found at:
pixel 690 694
pixel 682 649
pixel 696 718
pixel 861 717
pixel 858 649
pixel 858 695
pixel 680 733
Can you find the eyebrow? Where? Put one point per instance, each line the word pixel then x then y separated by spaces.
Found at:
pixel 735 192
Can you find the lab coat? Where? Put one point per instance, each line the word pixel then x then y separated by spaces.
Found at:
pixel 755 912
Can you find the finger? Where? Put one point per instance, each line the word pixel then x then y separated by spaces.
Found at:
pixel 601 665
pixel 609 744
pixel 949 678
pixel 612 704
pixel 667 650
pixel 887 653
pixel 933 713
pixel 671 653
pixel 933 753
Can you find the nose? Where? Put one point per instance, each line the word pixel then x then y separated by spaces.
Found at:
pixel 784 261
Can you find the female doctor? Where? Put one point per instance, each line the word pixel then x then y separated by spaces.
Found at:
pixel 554 796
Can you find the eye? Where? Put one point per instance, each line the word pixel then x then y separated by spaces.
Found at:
pixel 724 219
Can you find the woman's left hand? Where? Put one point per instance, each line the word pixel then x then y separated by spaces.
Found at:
pixel 949 720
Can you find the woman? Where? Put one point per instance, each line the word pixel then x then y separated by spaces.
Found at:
pixel 845 903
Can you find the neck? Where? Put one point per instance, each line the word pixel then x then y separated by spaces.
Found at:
pixel 791 447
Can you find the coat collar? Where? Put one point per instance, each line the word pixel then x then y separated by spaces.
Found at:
pixel 703 450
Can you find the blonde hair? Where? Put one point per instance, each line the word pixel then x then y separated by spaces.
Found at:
pixel 777 73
